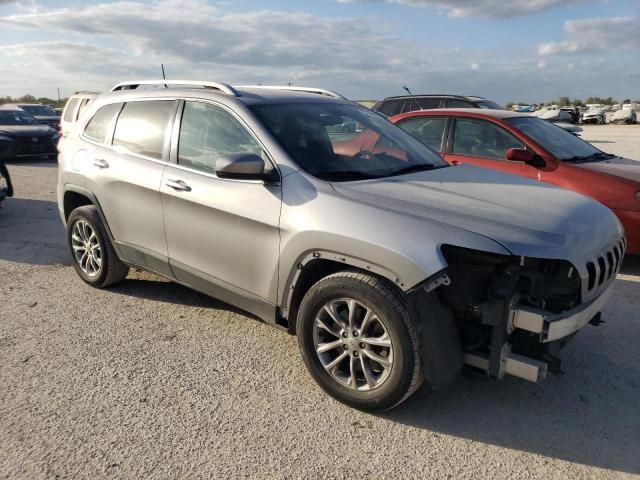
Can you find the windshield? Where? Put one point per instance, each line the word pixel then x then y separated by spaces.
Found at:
pixel 39 110
pixel 488 104
pixel 16 117
pixel 339 142
pixel 557 141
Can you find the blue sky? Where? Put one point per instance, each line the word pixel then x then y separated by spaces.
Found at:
pixel 522 50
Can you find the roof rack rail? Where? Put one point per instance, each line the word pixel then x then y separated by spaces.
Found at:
pixel 133 84
pixel 319 91
pixel 81 92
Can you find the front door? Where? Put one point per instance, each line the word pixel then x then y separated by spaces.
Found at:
pixel 485 144
pixel 223 235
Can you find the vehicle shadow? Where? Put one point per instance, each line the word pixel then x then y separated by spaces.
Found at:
pixel 587 415
pixel 31 232
pixel 161 290
pixel 47 162
pixel 631 265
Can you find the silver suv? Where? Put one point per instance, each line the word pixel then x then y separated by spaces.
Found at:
pixel 324 219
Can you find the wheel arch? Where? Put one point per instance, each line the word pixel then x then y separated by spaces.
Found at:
pixel 317 264
pixel 74 197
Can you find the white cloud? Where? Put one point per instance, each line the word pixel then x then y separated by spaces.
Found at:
pixel 97 46
pixel 596 35
pixel 485 8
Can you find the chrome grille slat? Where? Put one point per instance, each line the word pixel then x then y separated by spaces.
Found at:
pixel 602 269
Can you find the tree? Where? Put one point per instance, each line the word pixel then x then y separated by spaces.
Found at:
pixel 563 101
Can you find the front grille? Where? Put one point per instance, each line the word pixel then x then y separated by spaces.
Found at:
pixel 26 146
pixel 605 267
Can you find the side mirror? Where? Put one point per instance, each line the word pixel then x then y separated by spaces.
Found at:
pixel 240 166
pixel 525 156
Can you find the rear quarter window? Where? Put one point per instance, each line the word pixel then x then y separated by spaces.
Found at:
pixel 392 107
pixel 70 108
pixel 143 126
pixel 100 124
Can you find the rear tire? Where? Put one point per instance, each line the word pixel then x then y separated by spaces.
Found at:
pixel 91 251
pixel 347 323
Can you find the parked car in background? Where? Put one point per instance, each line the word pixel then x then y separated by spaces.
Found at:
pixel 22 136
pixel 555 114
pixel 6 188
pixel 74 108
pixel 258 197
pixel 43 113
pixel 625 115
pixel 409 103
pixel 530 147
pixel 522 108
pixel 594 115
pixel 573 111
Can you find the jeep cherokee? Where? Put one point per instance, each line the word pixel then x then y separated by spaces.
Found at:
pixel 391 266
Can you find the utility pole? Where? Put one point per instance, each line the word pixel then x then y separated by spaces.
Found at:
pixel 58 96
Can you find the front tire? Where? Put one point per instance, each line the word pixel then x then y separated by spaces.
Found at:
pixel 359 342
pixel 91 251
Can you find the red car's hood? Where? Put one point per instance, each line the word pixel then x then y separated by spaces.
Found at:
pixel 618 166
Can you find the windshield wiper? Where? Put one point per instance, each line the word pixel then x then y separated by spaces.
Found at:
pixel 584 158
pixel 343 175
pixel 417 168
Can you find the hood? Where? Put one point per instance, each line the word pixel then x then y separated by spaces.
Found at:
pixel 617 166
pixel 528 218
pixel 47 118
pixel 26 130
pixel 593 112
pixel 570 127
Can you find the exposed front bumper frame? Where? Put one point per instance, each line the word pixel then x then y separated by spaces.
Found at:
pixel 555 326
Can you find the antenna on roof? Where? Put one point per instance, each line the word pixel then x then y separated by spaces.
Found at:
pixel 163 76
pixel 412 96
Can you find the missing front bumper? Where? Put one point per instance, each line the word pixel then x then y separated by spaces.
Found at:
pixel 551 332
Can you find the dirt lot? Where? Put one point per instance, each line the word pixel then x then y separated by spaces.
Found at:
pixel 151 380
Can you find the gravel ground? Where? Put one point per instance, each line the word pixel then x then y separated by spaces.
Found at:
pixel 151 380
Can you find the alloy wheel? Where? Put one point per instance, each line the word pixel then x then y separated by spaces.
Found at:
pixel 86 248
pixel 353 344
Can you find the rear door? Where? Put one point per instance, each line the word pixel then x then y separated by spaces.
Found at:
pixel 223 235
pixel 124 173
pixel 485 144
pixel 430 130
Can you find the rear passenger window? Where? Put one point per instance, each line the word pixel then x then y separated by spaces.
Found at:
pixel 68 112
pixel 458 104
pixel 143 126
pixel 100 124
pixel 428 130
pixel 208 132
pixel 427 103
pixel 82 106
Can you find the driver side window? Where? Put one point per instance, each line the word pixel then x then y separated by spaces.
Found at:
pixel 479 138
pixel 208 132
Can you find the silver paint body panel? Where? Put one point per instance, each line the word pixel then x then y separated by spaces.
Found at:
pixel 247 238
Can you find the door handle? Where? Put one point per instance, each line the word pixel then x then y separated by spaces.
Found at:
pixel 101 163
pixel 178 185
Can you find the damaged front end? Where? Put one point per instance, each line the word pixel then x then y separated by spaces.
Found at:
pixel 514 314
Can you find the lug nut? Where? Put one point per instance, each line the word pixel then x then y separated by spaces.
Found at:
pixel 355 333
pixel 344 335
pixel 361 345
pixel 356 354
pixel 345 347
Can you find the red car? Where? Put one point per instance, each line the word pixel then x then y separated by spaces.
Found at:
pixel 531 147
